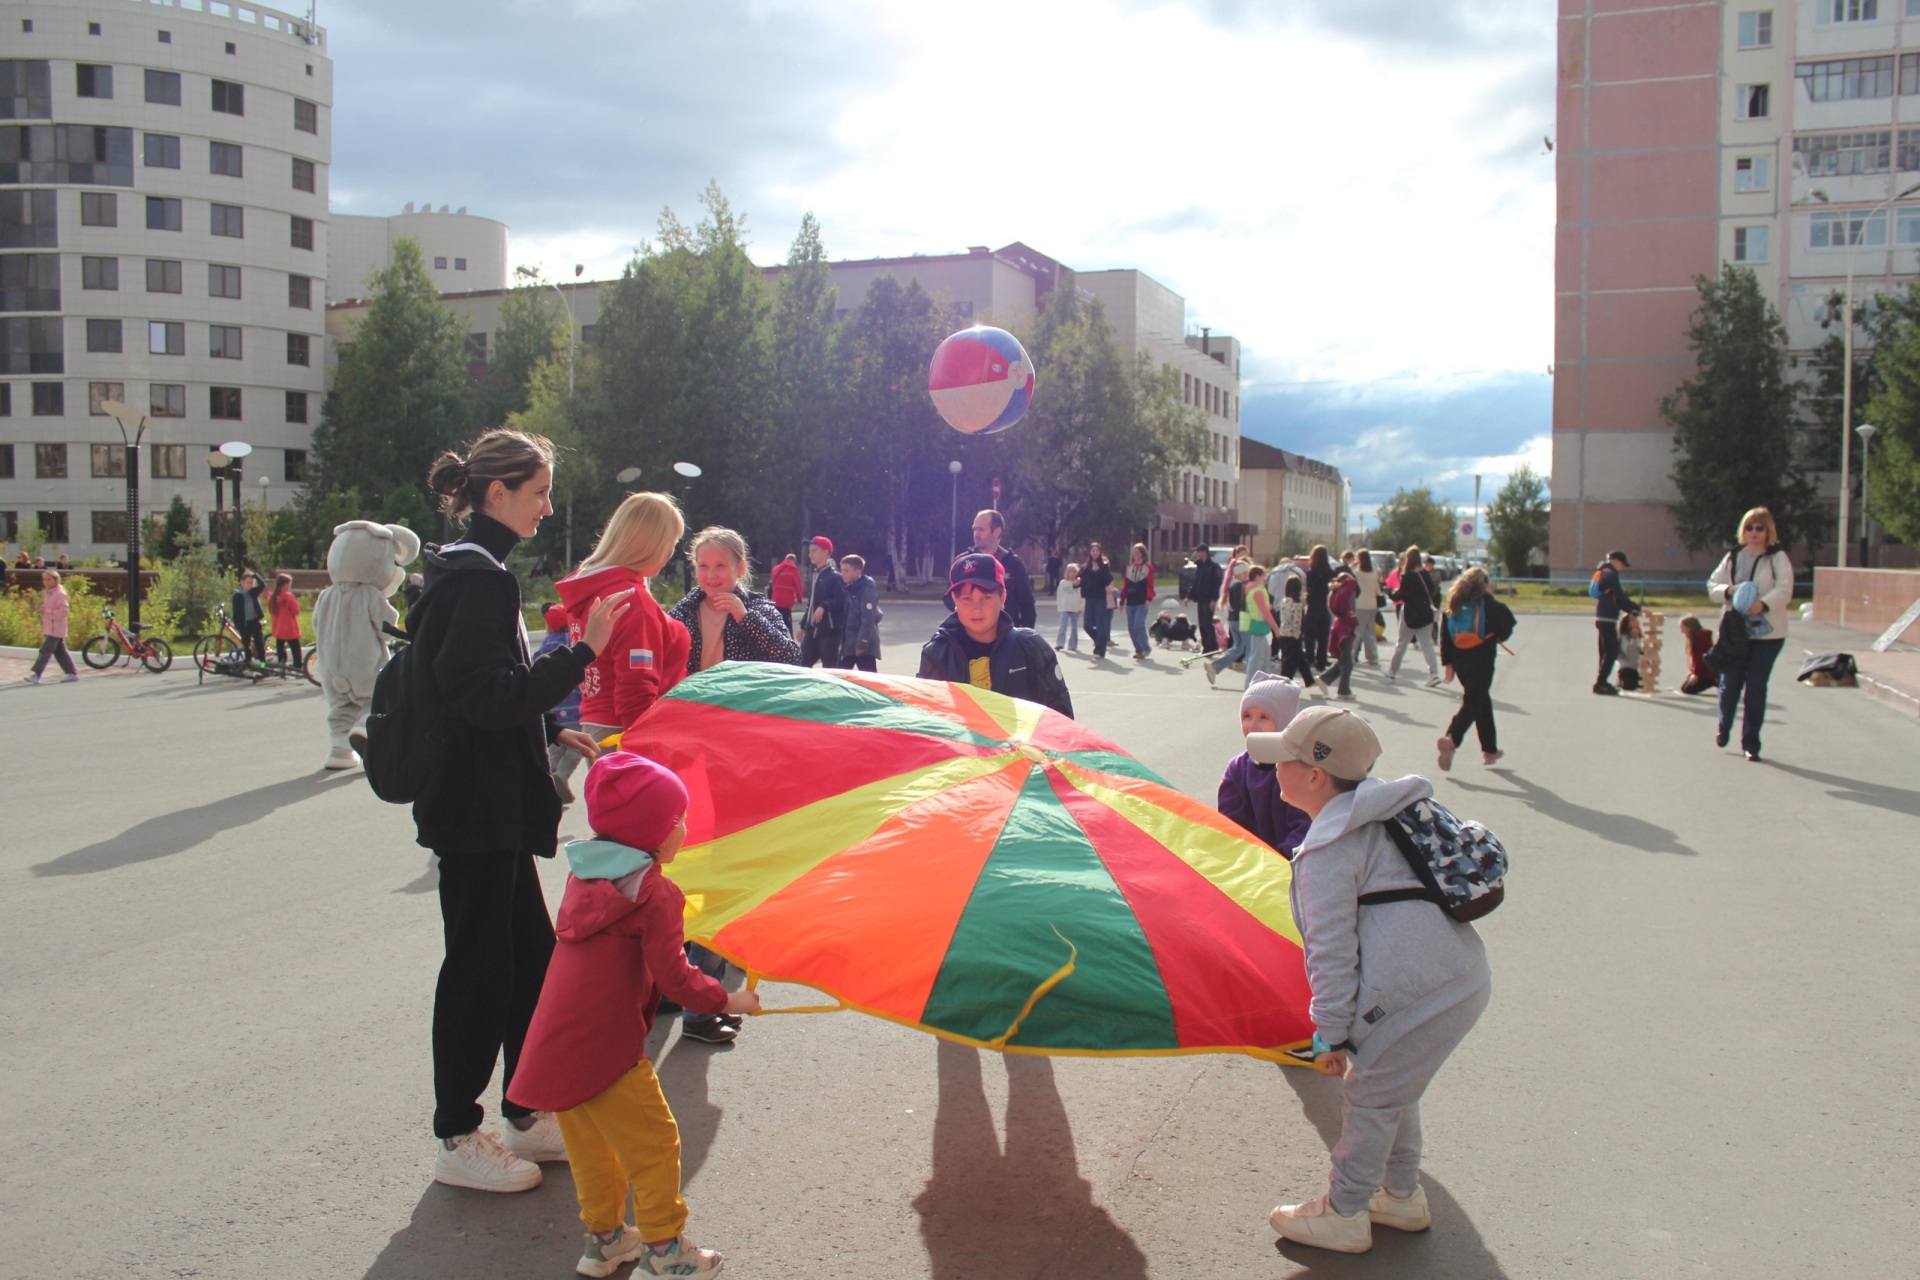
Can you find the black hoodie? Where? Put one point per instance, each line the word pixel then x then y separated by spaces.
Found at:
pixel 1020 663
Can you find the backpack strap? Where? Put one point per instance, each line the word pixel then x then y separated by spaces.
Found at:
pixel 1415 862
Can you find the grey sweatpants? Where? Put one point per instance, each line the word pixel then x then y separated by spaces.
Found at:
pixel 1380 1107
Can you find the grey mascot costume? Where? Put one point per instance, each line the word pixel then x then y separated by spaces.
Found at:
pixel 368 563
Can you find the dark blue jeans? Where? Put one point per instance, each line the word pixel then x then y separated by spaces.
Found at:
pixel 714 967
pixel 1745 690
pixel 1099 626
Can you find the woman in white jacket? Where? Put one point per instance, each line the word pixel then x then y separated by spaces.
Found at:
pixel 1761 561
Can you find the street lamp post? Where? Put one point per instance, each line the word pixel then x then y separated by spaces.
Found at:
pixel 237 451
pixel 132 419
pixel 1846 374
pixel 953 518
pixel 1866 430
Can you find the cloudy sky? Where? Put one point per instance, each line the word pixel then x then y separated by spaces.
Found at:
pixel 1357 189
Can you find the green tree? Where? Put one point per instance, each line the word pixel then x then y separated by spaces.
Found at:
pixel 1893 484
pixel 1414 517
pixel 399 397
pixel 179 530
pixel 893 495
pixel 809 380
pixel 1734 421
pixel 1518 519
pixel 1296 542
pixel 533 331
pixel 549 413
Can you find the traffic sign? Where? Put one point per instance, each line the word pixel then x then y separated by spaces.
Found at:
pixel 996 491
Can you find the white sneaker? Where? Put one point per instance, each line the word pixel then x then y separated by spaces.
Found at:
pixel 72 677
pixel 33 679
pixel 1315 1223
pixel 1402 1213
pixel 341 758
pixel 1433 682
pixel 478 1161
pixel 1445 747
pixel 602 1259
pixel 687 1259
pixel 541 1142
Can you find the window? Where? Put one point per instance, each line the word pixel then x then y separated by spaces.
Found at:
pixel 110 526
pixel 99 209
pixel 303 175
pixel 1750 244
pixel 1756 29
pixel 229 98
pixel 1834 230
pixel 29 220
pixel 300 292
pixel 1750 173
pixel 103 335
pixel 6 411
pixel 295 466
pixel 1846 78
pixel 229 220
pixel 223 341
pixel 1750 102
pixel 459 264
pixel 1830 11
pixel 81 155
pixel 26 89
pixel 169 461
pixel 439 264
pixel 50 401
pixel 162 150
pixel 296 406
pixel 223 158
pixel 93 28
pixel 35 344
pixel 163 275
pixel 1906 226
pixel 91 81
pixel 166 37
pixel 167 400
pixel 164 213
pixel 167 338
pixel 109 462
pixel 306 115
pixel 50 462
pixel 223 403
pixel 476 346
pixel 163 88
pixel 53 524
pixel 30 282
pixel 303 233
pixel 222 282
pixel 297 349
pixel 1830 155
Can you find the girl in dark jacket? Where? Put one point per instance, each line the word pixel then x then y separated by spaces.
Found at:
pixel 490 807
pixel 1472 630
pixel 1418 602
pixel 727 620
pixel 1318 628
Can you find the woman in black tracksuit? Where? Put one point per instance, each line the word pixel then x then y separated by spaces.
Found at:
pixel 1318 626
pixel 1472 630
pixel 490 807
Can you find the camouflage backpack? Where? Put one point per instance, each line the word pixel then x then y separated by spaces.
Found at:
pixel 1462 865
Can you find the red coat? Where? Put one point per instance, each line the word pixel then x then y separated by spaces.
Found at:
pixel 784 587
pixel 612 960
pixel 285 608
pixel 646 656
pixel 1697 649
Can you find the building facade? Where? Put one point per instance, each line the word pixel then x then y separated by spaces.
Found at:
pixel 163 242
pixel 1782 137
pixel 1284 494
pixel 464 254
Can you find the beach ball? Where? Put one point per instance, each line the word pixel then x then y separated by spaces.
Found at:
pixel 981 380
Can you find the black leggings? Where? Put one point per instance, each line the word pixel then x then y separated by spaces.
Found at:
pixel 253 640
pixel 1293 660
pixel 1476 705
pixel 498 939
pixel 280 649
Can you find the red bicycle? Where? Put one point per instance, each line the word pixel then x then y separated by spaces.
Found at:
pixel 117 642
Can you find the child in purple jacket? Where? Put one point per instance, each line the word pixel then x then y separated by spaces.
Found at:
pixel 1249 792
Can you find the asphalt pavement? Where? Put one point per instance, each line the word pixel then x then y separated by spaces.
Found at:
pixel 1699 1060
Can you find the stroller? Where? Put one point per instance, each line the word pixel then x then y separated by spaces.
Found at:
pixel 1171 629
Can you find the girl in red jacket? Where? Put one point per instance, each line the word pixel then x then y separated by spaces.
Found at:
pixel 619 948
pixel 284 608
pixel 648 653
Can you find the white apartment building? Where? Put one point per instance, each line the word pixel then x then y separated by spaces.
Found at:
pixel 464 253
pixel 163 241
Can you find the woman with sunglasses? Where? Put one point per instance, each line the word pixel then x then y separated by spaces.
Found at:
pixel 1761 563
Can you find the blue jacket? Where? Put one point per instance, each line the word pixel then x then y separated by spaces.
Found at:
pixel 567 714
pixel 1614 599
pixel 861 636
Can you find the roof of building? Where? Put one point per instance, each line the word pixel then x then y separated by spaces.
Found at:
pixel 1256 455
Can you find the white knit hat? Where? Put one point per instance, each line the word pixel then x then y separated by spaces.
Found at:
pixel 1275 695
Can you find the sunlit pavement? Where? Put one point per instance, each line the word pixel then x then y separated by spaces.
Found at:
pixel 219 964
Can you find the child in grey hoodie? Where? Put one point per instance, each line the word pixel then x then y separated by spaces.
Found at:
pixel 1396 985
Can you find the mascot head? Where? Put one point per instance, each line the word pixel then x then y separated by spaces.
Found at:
pixel 376 554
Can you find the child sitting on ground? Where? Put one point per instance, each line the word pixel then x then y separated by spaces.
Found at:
pixel 1701 677
pixel 1249 792
pixel 1422 975
pixel 1172 628
pixel 1629 676
pixel 618 949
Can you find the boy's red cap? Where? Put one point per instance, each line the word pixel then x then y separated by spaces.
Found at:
pixel 556 617
pixel 824 543
pixel 633 800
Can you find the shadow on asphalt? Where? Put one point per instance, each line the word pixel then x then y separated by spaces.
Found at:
pixel 184 829
pixel 428 881
pixel 683 1079
pixel 474 1234
pixel 1616 828
pixel 1451 1248
pixel 1855 791
pixel 1018 1210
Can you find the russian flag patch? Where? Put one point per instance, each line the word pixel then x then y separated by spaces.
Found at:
pixel 639 657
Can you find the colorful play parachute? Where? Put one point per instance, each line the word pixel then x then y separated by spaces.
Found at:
pixel 973 865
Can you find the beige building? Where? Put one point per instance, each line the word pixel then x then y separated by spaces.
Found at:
pixel 163 241
pixel 464 254
pixel 1284 493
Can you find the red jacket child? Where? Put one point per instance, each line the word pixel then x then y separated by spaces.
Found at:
pixel 285 607
pixel 646 656
pixel 784 588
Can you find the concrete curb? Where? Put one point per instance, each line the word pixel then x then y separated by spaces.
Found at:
pixel 1893 695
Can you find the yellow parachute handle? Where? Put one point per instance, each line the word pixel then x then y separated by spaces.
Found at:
pixel 1059 976
pixel 753 983
pixel 611 742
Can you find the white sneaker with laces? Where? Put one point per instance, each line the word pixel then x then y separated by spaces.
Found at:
pixel 1315 1223
pixel 603 1259
pixel 1402 1213
pixel 685 1258
pixel 478 1161
pixel 539 1143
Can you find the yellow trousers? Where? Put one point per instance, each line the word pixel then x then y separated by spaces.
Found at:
pixel 626 1139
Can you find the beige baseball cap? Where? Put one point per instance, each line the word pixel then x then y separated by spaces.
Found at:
pixel 1330 738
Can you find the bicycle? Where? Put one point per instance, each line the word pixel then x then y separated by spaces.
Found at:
pixel 117 642
pixel 224 653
